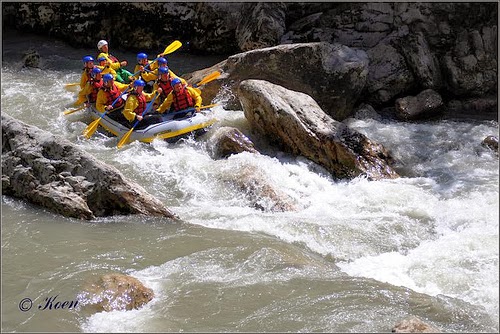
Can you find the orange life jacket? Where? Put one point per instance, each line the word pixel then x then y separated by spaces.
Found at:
pixel 182 100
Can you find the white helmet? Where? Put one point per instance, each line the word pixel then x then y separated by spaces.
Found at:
pixel 101 43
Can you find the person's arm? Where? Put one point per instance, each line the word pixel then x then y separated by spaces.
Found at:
pixel 196 97
pixel 101 100
pixel 166 104
pixel 130 106
pixel 121 86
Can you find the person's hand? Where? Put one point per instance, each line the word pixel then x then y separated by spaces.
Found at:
pixel 109 107
pixel 141 68
pixel 139 117
pixel 124 63
pixel 159 90
pixel 86 104
pixel 197 108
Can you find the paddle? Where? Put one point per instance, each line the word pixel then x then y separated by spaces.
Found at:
pixel 125 138
pixel 207 79
pixel 92 127
pixel 72 87
pixel 67 112
pixel 169 49
pixel 192 109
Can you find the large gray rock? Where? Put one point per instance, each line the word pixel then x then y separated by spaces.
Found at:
pixel 333 74
pixel 54 173
pixel 295 122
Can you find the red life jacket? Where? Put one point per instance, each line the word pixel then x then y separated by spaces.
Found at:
pixel 96 85
pixel 112 94
pixel 182 100
pixel 166 87
pixel 142 103
pixel 113 58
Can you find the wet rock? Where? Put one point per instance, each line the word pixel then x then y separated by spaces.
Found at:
pixel 491 142
pixel 333 74
pixel 295 122
pixel 31 58
pixel 426 103
pixel 54 173
pixel 414 325
pixel 252 182
pixel 227 141
pixel 115 292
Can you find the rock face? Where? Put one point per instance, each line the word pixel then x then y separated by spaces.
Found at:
pixel 413 325
pixel 332 74
pixel 115 292
pixel 54 173
pixel 294 121
pixel 491 142
pixel 451 48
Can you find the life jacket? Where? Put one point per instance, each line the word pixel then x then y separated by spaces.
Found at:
pixel 87 70
pixel 96 85
pixel 142 103
pixel 166 87
pixel 182 100
pixel 112 94
pixel 113 58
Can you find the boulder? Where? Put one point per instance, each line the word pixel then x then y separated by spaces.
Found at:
pixel 413 325
pixel 491 142
pixel 333 74
pixel 251 180
pixel 115 292
pixel 426 103
pixel 31 58
pixel 54 173
pixel 295 122
pixel 226 141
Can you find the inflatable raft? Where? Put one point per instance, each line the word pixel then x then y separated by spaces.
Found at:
pixel 167 126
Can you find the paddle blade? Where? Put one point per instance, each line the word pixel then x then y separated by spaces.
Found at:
pixel 67 112
pixel 208 78
pixel 90 130
pixel 125 138
pixel 72 87
pixel 172 47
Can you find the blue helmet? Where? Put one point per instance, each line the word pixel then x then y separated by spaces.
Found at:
pixel 162 60
pixel 101 59
pixel 163 70
pixel 107 77
pixel 139 83
pixel 87 59
pixel 95 71
pixel 175 81
pixel 141 55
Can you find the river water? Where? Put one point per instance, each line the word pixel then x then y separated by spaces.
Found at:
pixel 355 256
